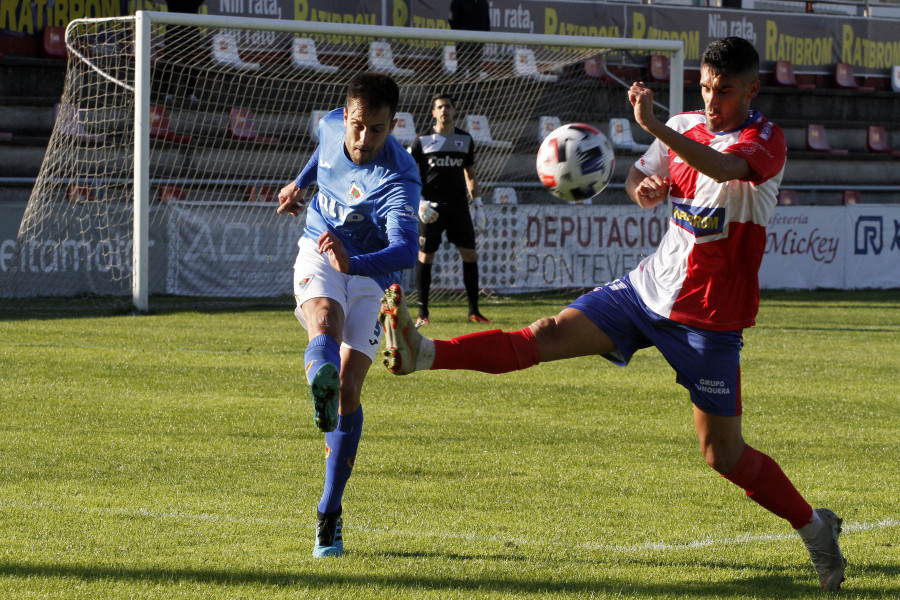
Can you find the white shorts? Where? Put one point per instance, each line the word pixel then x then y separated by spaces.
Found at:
pixel 359 296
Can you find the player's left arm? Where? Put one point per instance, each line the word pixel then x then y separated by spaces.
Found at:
pixel 480 219
pixel 401 223
pixel 472 182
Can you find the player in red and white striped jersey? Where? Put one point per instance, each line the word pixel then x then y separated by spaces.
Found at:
pixel 720 168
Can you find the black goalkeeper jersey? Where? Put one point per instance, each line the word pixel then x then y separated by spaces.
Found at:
pixel 442 161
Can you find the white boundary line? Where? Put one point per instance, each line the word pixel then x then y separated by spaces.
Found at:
pixel 641 547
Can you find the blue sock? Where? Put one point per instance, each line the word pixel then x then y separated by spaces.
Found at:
pixel 340 455
pixel 321 349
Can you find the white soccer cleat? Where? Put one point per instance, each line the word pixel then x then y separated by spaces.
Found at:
pixel 824 550
pixel 407 351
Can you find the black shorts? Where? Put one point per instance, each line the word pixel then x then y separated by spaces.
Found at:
pixel 457 224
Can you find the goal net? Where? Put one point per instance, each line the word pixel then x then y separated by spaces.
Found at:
pixel 175 132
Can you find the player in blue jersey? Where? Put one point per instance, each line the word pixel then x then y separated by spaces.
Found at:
pixel 361 230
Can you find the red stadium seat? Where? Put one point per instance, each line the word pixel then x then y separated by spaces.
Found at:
pixel 788 198
pixel 851 197
pixel 817 141
pixel 261 193
pixel 77 192
pixel 784 76
pixel 161 129
pixel 659 67
pixel 170 193
pixel 53 42
pixel 241 126
pixel 877 141
pixel 845 79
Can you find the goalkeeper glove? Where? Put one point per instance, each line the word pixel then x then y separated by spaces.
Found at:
pixel 480 220
pixel 427 212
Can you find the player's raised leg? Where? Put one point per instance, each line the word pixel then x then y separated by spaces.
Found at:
pixel 566 335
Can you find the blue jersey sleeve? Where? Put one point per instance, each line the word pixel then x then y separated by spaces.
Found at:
pixel 400 254
pixel 309 173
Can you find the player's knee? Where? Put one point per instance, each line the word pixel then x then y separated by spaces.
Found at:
pixel 720 458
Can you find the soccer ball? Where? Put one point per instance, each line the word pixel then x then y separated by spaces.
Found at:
pixel 576 162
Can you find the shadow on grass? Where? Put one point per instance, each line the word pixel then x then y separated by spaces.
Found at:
pixel 769 584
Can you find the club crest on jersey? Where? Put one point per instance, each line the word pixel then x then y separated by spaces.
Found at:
pixel 459 144
pixel 699 220
pixel 355 194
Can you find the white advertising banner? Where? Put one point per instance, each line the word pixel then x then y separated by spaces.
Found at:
pixel 840 247
pixel 804 248
pixel 539 247
pixel 873 240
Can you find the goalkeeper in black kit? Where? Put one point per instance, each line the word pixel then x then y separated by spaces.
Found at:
pixel 446 159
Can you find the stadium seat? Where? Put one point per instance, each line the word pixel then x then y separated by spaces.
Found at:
pixel 877 141
pixel 225 52
pixel 68 119
pixel 303 56
pixel 659 68
pixel 53 42
pixel 241 126
pixel 817 141
pixel 525 65
pixel 784 76
pixel 381 58
pixel 448 59
pixel 5 136
pixel 405 129
pixel 851 197
pixel 314 118
pixel 895 78
pixel 170 193
pixel 845 79
pixel 620 136
pixel 79 192
pixel 788 198
pixel 505 195
pixel 594 69
pixel 260 192
pixel 546 126
pixel 480 130
pixel 161 128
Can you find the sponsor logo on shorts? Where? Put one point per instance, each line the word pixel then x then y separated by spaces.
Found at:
pixel 711 386
pixel 303 284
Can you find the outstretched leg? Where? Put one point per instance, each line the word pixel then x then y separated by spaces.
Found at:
pixel 568 334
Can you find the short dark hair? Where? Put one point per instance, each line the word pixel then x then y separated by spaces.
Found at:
pixel 443 96
pixel 731 56
pixel 374 90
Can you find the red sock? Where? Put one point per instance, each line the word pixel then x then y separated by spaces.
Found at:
pixel 493 351
pixel 767 485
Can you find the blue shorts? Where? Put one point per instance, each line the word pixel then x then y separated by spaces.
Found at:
pixel 707 363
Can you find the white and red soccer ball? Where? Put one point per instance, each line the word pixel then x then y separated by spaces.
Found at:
pixel 575 162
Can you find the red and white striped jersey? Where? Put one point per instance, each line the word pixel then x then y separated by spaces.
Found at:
pixel 705 271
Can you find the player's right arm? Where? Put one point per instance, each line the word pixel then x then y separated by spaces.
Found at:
pixel 290 198
pixel 644 190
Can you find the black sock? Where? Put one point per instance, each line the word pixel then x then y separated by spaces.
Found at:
pixel 423 287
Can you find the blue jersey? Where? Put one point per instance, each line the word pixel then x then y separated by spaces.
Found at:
pixel 371 208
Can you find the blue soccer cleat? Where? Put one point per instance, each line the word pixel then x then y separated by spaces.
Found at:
pixel 326 392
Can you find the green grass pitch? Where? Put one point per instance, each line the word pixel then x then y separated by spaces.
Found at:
pixel 173 456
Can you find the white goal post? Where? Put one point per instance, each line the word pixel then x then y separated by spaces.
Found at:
pixel 194 85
